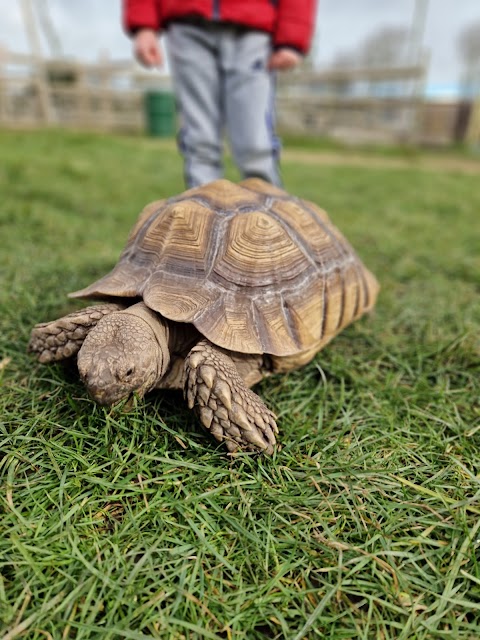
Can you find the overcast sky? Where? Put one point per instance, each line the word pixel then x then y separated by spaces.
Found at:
pixel 87 26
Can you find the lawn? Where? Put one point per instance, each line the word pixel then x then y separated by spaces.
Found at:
pixel 364 524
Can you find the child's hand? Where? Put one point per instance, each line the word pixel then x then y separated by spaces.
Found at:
pixel 147 49
pixel 284 59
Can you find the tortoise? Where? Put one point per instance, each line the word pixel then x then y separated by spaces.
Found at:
pixel 215 289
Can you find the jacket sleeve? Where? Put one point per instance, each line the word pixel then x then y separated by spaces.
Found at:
pixel 295 24
pixel 140 14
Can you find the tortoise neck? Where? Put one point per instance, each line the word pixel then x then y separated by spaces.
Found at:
pixel 161 329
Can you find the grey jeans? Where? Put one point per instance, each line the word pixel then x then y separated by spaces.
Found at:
pixel 222 84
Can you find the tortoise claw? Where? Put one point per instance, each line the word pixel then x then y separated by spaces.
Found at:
pixel 225 406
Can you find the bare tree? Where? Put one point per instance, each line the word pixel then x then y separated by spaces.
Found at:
pixel 345 60
pixel 469 48
pixel 386 47
pixel 469 43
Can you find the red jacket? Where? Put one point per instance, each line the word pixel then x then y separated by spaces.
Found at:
pixel 289 21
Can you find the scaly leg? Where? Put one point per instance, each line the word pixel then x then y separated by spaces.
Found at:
pixel 224 404
pixel 60 339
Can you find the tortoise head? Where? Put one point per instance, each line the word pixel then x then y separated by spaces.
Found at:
pixel 123 355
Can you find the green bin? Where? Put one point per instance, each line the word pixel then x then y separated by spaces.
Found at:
pixel 160 113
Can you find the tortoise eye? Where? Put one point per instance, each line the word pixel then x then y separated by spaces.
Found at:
pixel 129 372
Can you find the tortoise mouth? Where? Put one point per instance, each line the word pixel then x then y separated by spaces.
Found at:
pixel 127 404
pixel 120 403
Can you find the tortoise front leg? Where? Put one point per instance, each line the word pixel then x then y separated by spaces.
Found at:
pixel 60 339
pixel 224 404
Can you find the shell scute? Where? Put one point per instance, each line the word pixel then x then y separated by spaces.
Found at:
pixel 258 252
pixel 254 269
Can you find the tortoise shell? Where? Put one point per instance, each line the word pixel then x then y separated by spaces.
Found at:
pixel 253 268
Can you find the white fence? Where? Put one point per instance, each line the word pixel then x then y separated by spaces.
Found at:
pixel 356 105
pixel 106 96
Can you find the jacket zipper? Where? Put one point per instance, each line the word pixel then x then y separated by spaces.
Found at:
pixel 216 10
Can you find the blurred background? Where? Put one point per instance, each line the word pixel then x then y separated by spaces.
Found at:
pixel 378 72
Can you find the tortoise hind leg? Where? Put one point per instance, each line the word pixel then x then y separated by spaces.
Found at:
pixel 60 339
pixel 224 404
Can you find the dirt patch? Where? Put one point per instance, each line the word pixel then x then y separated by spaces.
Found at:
pixel 422 163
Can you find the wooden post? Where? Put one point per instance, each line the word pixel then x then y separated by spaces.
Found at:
pixel 473 130
pixel 82 95
pixel 3 86
pixel 106 103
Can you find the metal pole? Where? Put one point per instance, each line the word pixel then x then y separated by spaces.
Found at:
pixel 417 31
pixel 36 50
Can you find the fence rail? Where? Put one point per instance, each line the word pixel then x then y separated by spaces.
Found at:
pixel 358 105
pixel 103 95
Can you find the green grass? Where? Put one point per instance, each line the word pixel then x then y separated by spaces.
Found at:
pixel 365 524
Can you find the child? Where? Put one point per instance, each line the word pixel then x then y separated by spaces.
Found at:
pixel 223 55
